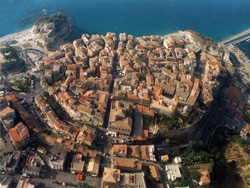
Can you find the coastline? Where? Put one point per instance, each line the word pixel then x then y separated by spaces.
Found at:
pixel 22 35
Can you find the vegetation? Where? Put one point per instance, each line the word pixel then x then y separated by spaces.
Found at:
pixel 195 175
pixel 23 85
pixel 89 125
pixel 32 77
pixel 174 121
pixel 243 143
pixel 91 147
pixel 14 63
pixel 54 105
pixel 83 185
pixel 58 19
pixel 55 78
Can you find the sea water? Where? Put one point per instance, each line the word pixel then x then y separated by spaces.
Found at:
pixel 218 19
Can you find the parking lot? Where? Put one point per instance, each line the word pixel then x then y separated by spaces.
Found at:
pixel 6 145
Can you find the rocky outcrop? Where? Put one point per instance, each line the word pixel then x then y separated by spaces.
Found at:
pixel 209 46
pixel 204 43
pixel 50 30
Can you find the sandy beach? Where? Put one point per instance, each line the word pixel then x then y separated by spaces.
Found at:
pixel 22 35
pixel 23 38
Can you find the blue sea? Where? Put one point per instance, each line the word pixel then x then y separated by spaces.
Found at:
pixel 218 19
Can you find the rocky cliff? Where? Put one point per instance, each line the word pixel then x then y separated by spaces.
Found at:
pixel 50 30
pixel 208 45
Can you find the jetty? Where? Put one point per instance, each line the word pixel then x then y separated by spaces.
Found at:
pixel 237 38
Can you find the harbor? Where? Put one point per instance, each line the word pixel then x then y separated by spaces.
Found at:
pixel 244 36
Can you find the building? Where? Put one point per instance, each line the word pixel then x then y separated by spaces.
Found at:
pixel 111 177
pixel 5 182
pixel 19 135
pixel 165 158
pixel 7 116
pixel 155 172
pixel 147 152
pixel 177 160
pixel 42 104
pixel 133 180
pixel 127 164
pixel 93 166
pixel 25 183
pixel 77 164
pixel 119 121
pixel 33 165
pixel 204 178
pixel 58 156
pixel 173 171
pixel 161 108
pixel 120 150
pixel 86 135
pixel 8 163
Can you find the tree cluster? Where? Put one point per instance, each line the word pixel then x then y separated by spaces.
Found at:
pixel 14 63
pixel 54 105
pixel 54 79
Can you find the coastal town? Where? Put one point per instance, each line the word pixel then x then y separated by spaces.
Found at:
pixel 118 111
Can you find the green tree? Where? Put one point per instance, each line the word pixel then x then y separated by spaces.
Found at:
pixel 211 167
pixel 59 112
pixel 85 185
pixel 196 105
pixel 50 81
pixel 195 174
pixel 176 151
pixel 245 149
pixel 46 94
pixel 173 115
pixel 32 77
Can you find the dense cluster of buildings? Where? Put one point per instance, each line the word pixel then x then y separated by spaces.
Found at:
pixel 148 74
pixel 102 79
pixel 19 132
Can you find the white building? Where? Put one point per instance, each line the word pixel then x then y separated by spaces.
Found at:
pixel 173 171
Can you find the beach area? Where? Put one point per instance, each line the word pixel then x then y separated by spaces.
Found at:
pixel 22 40
pixel 21 36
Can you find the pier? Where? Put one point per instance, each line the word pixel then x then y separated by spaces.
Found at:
pixel 238 38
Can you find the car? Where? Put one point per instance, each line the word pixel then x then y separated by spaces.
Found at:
pixel 64 184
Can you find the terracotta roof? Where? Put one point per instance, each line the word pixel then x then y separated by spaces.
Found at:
pixel 111 175
pixel 127 163
pixel 134 151
pixel 157 92
pixel 18 132
pixel 49 139
pixel 5 111
pixel 234 91
pixel 12 98
pixel 120 149
pixel 74 131
pixel 58 123
pixel 68 80
pixel 144 153
pixel 155 172
pixel 205 177
pixel 145 109
pixel 132 96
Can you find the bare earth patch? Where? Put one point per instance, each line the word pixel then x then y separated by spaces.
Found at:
pixel 234 152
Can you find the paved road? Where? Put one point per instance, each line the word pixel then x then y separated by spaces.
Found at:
pixel 38 89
